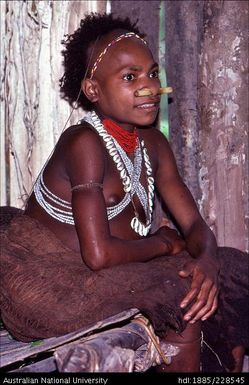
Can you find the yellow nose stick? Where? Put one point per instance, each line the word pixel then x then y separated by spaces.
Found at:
pixel 148 92
pixel 165 90
pixel 144 92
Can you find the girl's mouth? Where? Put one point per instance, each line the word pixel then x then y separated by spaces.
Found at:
pixel 148 106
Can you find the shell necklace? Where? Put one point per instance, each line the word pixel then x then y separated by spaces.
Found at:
pixel 130 174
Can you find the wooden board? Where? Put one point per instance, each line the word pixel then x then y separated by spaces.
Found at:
pixel 12 351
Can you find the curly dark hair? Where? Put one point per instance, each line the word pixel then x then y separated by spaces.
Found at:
pixel 75 57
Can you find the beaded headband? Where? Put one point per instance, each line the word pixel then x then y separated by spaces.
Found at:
pixel 100 57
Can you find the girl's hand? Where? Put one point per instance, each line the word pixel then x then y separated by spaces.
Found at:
pixel 171 239
pixel 204 288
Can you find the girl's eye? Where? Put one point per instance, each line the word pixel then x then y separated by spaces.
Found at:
pixel 128 77
pixel 154 74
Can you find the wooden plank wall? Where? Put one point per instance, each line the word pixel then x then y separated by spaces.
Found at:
pixel 206 61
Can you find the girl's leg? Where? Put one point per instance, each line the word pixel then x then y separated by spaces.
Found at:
pixel 189 343
pixel 238 354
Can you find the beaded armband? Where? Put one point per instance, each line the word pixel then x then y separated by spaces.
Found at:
pixel 87 186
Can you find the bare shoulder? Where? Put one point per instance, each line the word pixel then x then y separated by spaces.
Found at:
pixel 157 145
pixel 80 137
pixel 79 144
pixel 154 137
pixel 81 153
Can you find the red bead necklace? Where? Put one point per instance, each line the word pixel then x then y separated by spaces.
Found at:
pixel 127 140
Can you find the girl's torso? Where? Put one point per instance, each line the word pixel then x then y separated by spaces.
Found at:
pixel 57 180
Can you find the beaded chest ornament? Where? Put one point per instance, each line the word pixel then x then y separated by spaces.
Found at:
pixel 130 174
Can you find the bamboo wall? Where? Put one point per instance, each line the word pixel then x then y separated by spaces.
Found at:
pixel 206 61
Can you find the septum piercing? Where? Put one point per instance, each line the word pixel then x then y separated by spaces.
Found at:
pixel 148 92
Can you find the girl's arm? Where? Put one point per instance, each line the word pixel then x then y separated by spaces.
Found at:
pixel 200 241
pixel 177 197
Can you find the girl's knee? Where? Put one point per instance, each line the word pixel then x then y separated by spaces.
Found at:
pixel 191 333
pixel 189 344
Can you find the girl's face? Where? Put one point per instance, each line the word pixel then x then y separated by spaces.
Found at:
pixel 128 66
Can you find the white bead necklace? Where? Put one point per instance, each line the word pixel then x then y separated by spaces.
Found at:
pixel 59 213
pixel 130 175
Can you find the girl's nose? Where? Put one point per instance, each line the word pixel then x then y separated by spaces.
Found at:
pixel 147 86
pixel 144 92
pixel 148 92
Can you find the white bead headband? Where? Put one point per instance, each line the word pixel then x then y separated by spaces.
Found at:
pixel 100 57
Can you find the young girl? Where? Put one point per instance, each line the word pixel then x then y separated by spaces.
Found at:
pixel 83 250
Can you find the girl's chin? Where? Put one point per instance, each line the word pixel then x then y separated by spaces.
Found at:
pixel 147 119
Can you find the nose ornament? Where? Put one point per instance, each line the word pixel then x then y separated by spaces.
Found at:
pixel 147 92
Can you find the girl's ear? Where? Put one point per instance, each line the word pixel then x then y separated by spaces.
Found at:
pixel 90 89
